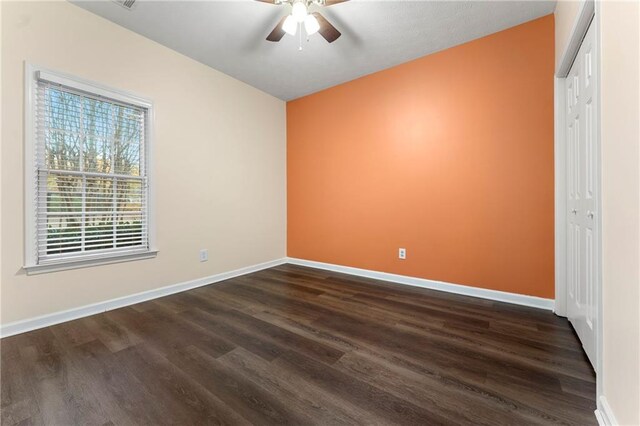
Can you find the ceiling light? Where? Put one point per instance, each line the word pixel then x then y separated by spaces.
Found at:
pixel 299 11
pixel 290 25
pixel 311 25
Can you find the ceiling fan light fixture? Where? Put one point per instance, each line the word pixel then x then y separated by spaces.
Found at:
pixel 290 25
pixel 311 25
pixel 313 22
pixel 299 11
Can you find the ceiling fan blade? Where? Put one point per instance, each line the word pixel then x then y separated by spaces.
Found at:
pixel 327 2
pixel 328 31
pixel 272 1
pixel 278 32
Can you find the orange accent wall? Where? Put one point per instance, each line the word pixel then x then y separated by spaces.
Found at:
pixel 449 156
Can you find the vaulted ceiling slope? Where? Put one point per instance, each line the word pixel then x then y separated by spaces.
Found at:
pixel 230 35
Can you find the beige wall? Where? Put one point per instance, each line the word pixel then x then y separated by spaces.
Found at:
pixel 219 159
pixel 620 87
pixel 565 17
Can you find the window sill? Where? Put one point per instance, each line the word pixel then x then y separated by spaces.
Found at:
pixel 85 263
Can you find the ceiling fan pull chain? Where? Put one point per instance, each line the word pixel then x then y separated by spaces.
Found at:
pixel 300 38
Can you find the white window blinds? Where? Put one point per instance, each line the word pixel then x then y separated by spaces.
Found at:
pixel 91 195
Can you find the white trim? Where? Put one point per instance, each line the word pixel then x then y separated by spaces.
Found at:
pixel 90 87
pixel 32 74
pixel 580 27
pixel 483 293
pixel 599 311
pixel 23 326
pixel 30 242
pixel 604 414
pixel 559 149
pixel 84 262
pixel 151 178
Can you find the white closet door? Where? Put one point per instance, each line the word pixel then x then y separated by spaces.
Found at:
pixel 583 239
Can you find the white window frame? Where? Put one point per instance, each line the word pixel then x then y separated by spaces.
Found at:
pixel 33 73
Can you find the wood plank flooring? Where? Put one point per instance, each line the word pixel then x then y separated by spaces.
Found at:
pixel 299 346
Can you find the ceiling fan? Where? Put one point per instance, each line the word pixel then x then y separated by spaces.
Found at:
pixel 313 22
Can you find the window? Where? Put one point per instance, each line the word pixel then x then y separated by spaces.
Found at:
pixel 87 174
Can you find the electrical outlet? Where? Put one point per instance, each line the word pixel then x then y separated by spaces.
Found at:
pixel 402 253
pixel 204 255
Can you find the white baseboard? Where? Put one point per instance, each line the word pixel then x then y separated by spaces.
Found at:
pixel 604 414
pixel 23 326
pixel 500 296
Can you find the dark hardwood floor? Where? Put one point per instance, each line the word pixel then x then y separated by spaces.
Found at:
pixel 293 345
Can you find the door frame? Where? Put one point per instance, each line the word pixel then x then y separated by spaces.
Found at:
pixel 588 14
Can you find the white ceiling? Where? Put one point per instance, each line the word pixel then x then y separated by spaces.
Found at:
pixel 230 35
